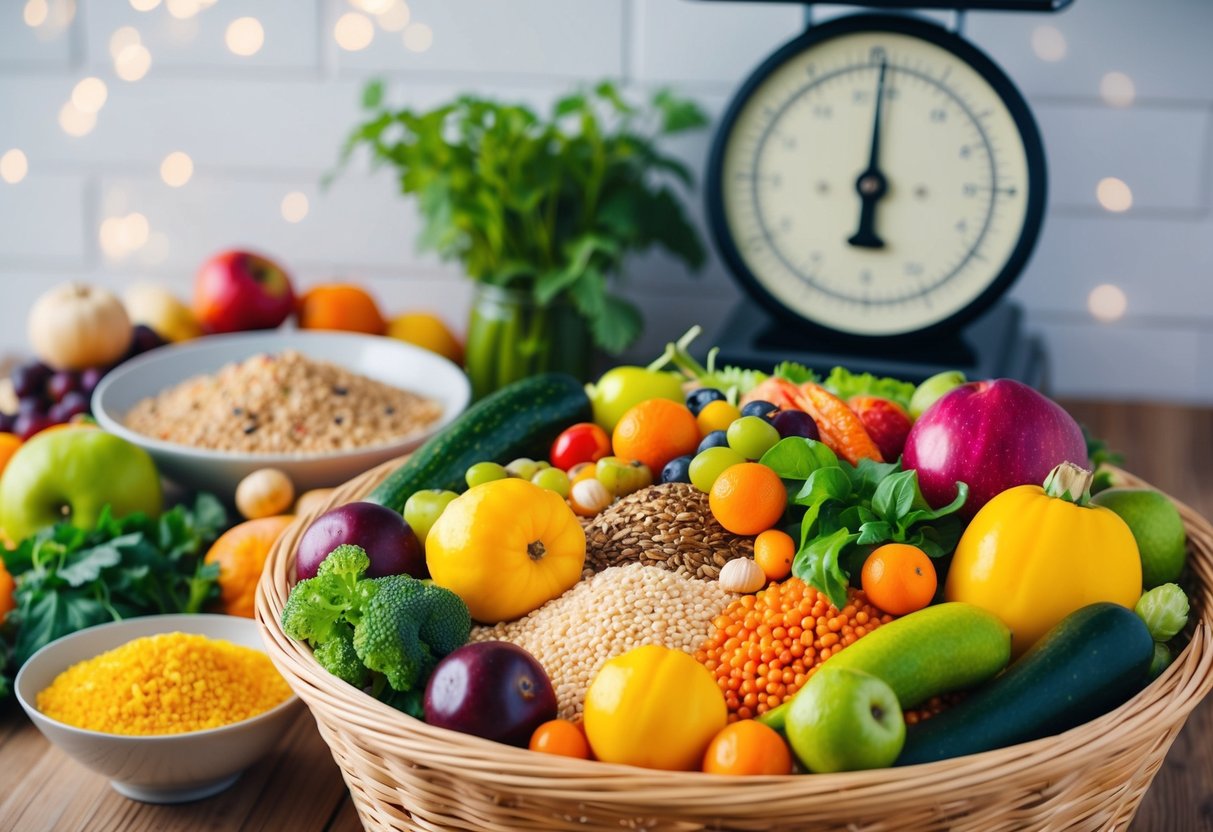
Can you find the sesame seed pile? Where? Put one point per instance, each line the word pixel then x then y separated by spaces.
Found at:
pixel 165 684
pixel 605 616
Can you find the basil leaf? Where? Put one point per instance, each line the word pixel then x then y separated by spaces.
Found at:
pixel 87 564
pixel 795 458
pixel 929 514
pixel 877 531
pixel 817 565
pixel 868 475
pixel 824 484
pixel 894 496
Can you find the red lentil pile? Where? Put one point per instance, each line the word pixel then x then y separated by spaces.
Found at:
pixel 763 647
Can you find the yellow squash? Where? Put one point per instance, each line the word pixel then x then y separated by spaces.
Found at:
pixel 653 707
pixel 506 547
pixel 1033 555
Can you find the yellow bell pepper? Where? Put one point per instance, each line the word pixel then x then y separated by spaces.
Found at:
pixel 653 707
pixel 506 547
pixel 1033 555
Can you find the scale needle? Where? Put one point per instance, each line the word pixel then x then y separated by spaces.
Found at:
pixel 872 184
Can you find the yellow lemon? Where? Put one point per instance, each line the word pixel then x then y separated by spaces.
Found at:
pixel 427 331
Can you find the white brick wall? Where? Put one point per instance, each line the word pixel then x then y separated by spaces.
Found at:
pixel 259 127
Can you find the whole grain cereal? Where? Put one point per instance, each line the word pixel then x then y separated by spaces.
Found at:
pixel 282 404
pixel 165 684
pixel 605 616
pixel 669 525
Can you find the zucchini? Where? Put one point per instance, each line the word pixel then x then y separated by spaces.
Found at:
pixel 520 419
pixel 1094 660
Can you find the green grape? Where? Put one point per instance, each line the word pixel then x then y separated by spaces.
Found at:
pixel 553 479
pixel 483 472
pixel 752 436
pixel 524 467
pixel 613 473
pixel 423 508
pixel 710 464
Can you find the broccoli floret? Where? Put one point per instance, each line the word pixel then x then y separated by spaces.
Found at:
pixel 407 627
pixel 337 594
pixel 337 656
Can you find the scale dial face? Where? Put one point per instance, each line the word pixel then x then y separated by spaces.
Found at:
pixel 877 177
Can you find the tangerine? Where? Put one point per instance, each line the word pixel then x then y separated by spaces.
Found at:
pixel 748 498
pixel 747 747
pixel 340 306
pixel 899 578
pixel 9 444
pixel 559 736
pixel 7 599
pixel 654 432
pixel 773 552
pixel 241 552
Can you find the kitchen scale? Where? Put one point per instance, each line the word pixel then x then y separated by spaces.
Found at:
pixel 876 185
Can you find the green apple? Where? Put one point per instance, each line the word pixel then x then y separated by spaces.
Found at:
pixel 1157 528
pixel 925 394
pixel 845 720
pixel 72 474
pixel 423 508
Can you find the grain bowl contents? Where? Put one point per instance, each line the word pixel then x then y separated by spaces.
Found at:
pixel 282 404
pixel 170 683
pixel 605 616
pixel 668 525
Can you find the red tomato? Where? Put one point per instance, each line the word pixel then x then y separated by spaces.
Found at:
pixel 583 442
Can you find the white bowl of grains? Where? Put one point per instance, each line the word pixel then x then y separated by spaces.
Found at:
pixel 321 406
pixel 169 708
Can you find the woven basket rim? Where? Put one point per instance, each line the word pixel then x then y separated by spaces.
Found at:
pixel 1164 704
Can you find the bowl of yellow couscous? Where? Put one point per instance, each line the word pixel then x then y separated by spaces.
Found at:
pixel 170 708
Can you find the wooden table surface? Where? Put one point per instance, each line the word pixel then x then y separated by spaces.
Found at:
pixel 299 787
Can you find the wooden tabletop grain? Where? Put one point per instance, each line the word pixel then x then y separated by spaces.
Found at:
pixel 299 788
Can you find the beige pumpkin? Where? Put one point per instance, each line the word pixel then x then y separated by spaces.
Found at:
pixel 76 326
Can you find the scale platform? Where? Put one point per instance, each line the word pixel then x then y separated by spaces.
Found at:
pixel 993 345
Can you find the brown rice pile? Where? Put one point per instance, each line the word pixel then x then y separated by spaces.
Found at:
pixel 669 525
pixel 607 615
pixel 282 404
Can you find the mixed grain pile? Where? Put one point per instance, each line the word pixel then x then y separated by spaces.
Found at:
pixel 668 525
pixel 605 616
pixel 282 404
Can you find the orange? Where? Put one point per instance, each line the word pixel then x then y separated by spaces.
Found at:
pixel 899 578
pixel 748 498
pixel 340 306
pixel 7 601
pixel 428 332
pixel 717 415
pixel 559 736
pixel 241 552
pixel 773 552
pixel 747 747
pixel 654 432
pixel 9 444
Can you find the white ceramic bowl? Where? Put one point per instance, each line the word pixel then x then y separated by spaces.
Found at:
pixel 172 768
pixel 383 359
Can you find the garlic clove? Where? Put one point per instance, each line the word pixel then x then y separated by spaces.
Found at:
pixel 742 575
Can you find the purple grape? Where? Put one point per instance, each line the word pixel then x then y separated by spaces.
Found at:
pixel 74 403
pixel 7 422
pixel 90 378
pixel 145 339
pixel 28 424
pixel 30 379
pixel 62 383
pixel 31 404
pixel 795 423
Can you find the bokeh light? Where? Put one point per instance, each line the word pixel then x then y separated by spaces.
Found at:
pixel 354 31
pixel 245 36
pixel 89 95
pixel 1114 195
pixel 1107 303
pixel 1048 43
pixel 1117 89
pixel 418 37
pixel 176 169
pixel 13 166
pixel 133 62
pixel 76 122
pixel 294 206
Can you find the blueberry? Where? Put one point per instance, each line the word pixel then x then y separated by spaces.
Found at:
pixel 715 439
pixel 697 400
pixel 677 470
pixel 765 410
pixel 795 423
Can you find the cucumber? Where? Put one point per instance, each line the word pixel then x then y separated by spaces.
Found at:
pixel 935 650
pixel 1094 660
pixel 520 419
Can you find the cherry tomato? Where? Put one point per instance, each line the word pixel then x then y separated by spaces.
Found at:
pixel 559 736
pixel 583 442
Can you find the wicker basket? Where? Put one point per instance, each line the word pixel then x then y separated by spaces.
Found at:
pixel 404 774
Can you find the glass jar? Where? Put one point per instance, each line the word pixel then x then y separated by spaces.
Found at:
pixel 511 336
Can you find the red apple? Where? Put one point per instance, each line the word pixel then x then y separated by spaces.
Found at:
pixel 237 291
pixel 992 435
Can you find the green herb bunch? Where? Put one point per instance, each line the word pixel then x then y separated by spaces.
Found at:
pixel 550 205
